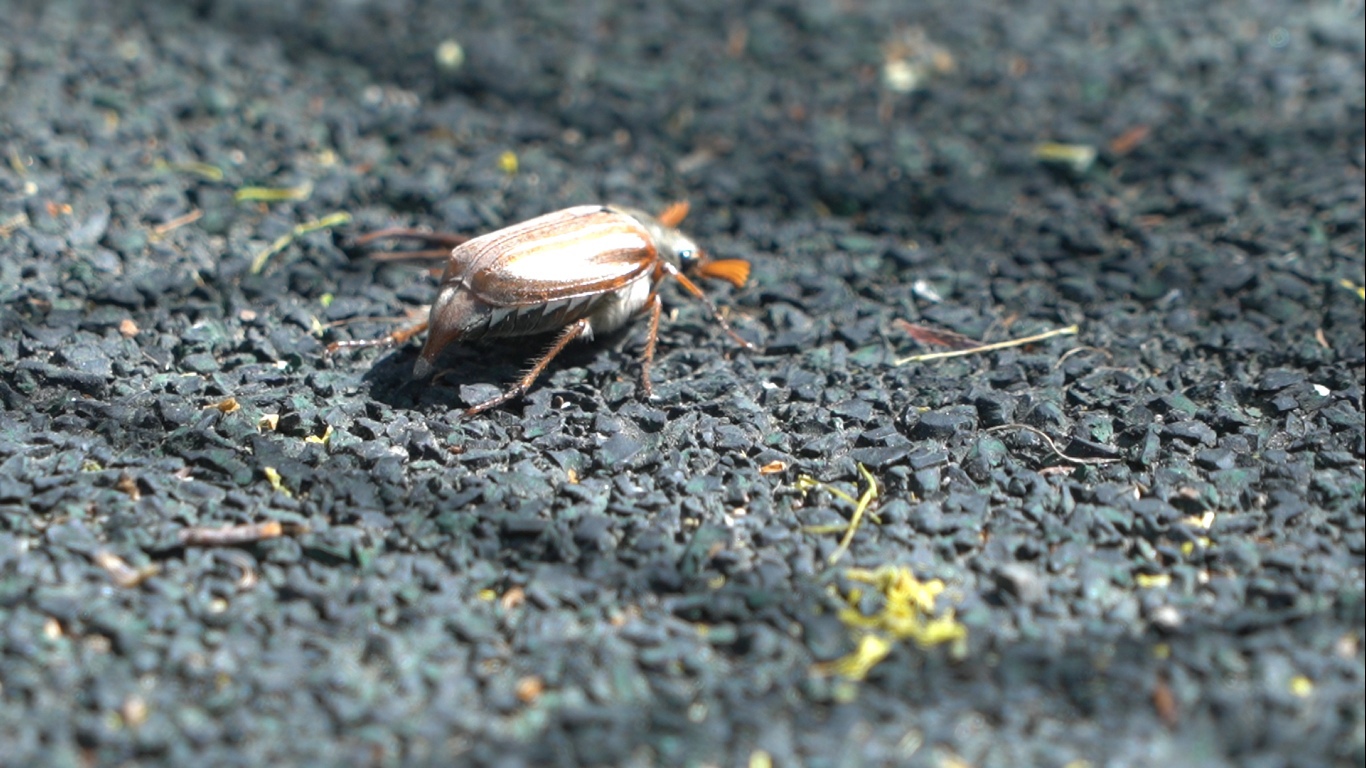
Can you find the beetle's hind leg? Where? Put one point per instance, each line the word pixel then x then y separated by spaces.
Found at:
pixel 523 384
pixel 443 240
pixel 394 339
pixel 446 243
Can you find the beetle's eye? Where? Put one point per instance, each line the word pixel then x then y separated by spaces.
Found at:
pixel 687 256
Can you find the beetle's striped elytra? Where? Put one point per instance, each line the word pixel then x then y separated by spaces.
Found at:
pixel 580 271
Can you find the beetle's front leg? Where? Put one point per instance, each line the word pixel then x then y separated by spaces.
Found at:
pixel 702 297
pixel 656 306
pixel 523 384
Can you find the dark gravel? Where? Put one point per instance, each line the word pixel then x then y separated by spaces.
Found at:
pixel 588 578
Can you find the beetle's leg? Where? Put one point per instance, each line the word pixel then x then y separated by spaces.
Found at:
pixel 394 339
pixel 697 292
pixel 445 241
pixel 655 307
pixel 408 233
pixel 570 333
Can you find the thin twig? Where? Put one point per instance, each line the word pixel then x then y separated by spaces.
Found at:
pixel 1078 350
pixel 1068 331
pixel 120 572
pixel 232 535
pixel 243 563
pixel 1052 445
pixel 14 222
pixel 178 222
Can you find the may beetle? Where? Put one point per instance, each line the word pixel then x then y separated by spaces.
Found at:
pixel 580 271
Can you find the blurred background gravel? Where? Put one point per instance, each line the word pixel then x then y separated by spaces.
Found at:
pixel 589 578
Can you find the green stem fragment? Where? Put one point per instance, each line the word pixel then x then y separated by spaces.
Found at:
pixel 205 170
pixel 331 220
pixel 861 505
pixel 273 194
pixel 854 520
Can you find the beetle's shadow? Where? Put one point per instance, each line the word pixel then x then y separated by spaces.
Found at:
pixel 496 365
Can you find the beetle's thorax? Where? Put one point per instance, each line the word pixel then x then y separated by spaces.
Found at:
pixel 672 245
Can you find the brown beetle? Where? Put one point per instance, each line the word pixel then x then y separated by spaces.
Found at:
pixel 580 271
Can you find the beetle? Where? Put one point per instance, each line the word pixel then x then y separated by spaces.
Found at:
pixel 578 272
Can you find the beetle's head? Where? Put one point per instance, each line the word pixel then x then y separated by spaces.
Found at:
pixel 679 250
pixel 672 245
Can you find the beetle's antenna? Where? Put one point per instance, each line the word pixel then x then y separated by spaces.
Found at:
pixel 733 271
pixel 674 215
pixel 697 292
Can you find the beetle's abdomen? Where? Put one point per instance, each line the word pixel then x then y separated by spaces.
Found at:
pixel 537 318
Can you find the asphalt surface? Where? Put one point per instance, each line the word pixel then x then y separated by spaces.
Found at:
pixel 1149 534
